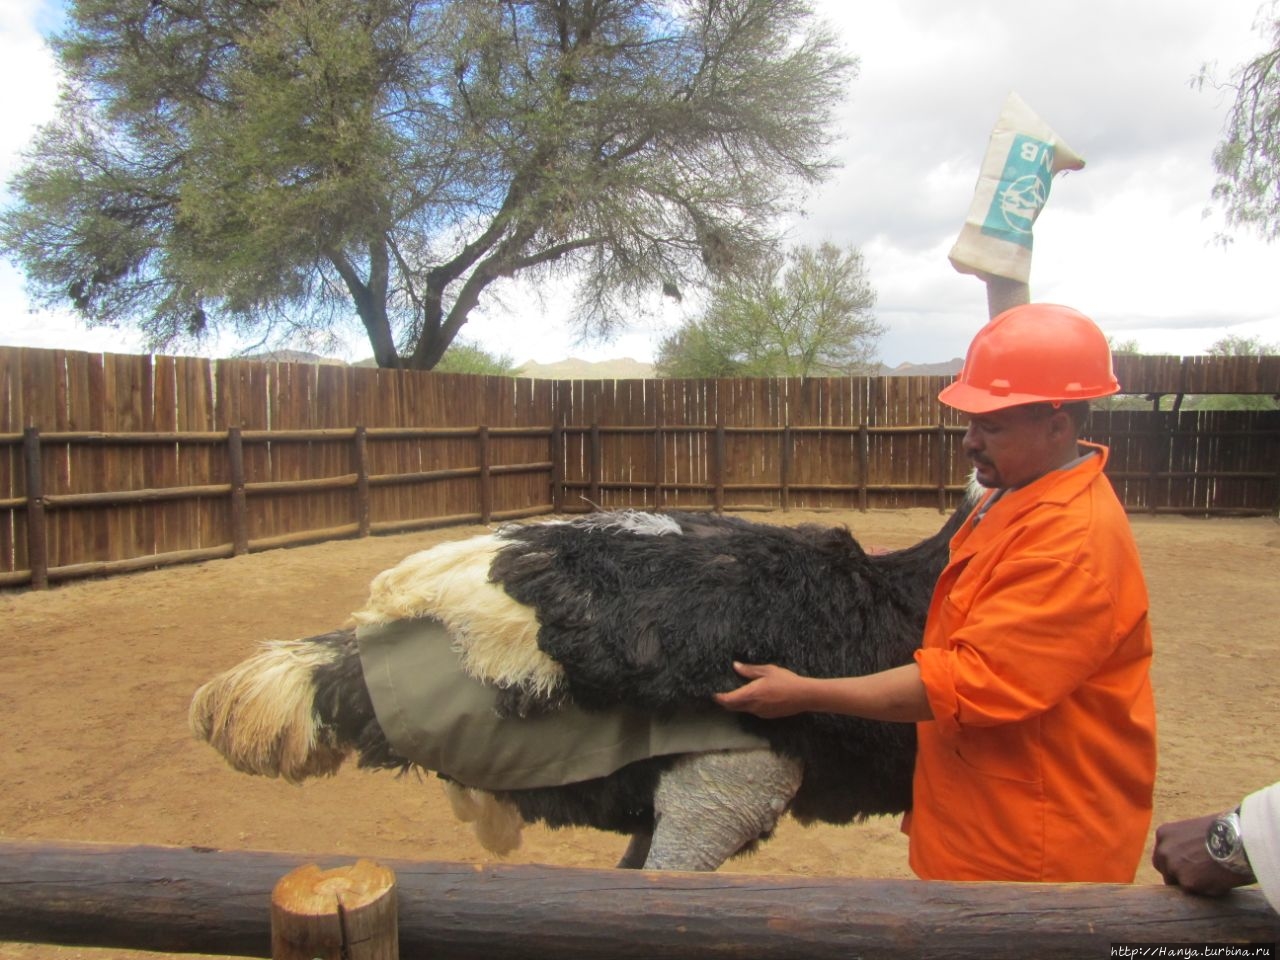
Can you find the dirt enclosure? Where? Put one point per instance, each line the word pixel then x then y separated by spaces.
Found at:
pixel 97 676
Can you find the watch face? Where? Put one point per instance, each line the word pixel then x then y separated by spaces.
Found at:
pixel 1222 839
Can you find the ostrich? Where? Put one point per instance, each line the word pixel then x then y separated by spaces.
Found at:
pixel 562 671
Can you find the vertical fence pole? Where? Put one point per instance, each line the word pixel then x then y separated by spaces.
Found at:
pixel 864 458
pixel 593 464
pixel 718 465
pixel 557 467
pixel 659 453
pixel 944 468
pixel 486 481
pixel 1275 504
pixel 1157 443
pixel 239 510
pixel 361 453
pixel 784 467
pixel 37 532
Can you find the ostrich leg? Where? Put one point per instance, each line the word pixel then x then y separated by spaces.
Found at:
pixel 710 805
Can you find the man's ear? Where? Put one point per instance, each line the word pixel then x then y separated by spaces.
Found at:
pixel 1062 425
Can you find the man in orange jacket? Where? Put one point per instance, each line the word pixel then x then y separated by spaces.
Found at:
pixel 1031 692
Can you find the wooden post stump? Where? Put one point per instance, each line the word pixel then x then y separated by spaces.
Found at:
pixel 348 913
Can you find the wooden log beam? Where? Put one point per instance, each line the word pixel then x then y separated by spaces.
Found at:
pixel 120 498
pixel 206 901
pixel 151 561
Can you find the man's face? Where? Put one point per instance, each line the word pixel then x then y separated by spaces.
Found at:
pixel 1014 446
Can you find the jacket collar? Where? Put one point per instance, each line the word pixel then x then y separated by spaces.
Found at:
pixel 1057 487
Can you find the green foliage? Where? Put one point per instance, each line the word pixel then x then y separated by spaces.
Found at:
pixel 271 167
pixel 466 357
pixel 807 314
pixel 1234 346
pixel 1123 346
pixel 1232 401
pixel 1247 159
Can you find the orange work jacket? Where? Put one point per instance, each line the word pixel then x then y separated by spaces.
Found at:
pixel 1040 761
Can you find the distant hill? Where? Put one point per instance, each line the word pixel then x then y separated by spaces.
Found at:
pixel 627 369
pixel 620 368
pixel 947 368
pixel 623 368
pixel 292 356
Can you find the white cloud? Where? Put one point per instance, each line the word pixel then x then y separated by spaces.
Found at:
pixel 1125 239
pixel 28 79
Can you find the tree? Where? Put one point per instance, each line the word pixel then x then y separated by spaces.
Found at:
pixel 1236 346
pixel 266 164
pixel 464 356
pixel 1247 159
pixel 1123 346
pixel 802 315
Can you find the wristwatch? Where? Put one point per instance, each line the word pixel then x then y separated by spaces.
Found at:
pixel 1225 845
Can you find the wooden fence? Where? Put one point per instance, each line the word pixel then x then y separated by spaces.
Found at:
pixel 113 463
pixel 195 899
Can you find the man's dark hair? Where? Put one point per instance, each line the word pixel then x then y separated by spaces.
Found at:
pixel 1077 410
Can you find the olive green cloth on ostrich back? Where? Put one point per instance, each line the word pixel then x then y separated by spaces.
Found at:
pixel 438 716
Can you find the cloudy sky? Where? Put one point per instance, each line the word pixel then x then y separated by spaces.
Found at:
pixel 1130 239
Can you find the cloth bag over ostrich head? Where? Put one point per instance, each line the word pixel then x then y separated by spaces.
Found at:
pixel 1022 158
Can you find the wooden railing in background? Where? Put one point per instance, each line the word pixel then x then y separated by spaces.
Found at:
pixel 776 492
pixel 1174 376
pixel 1144 468
pixel 237 491
pixel 116 463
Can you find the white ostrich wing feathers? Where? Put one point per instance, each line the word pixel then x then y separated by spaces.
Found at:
pixel 496 637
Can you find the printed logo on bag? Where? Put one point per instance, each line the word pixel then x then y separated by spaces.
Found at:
pixel 1022 192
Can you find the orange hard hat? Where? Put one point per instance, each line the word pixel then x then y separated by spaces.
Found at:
pixel 1033 353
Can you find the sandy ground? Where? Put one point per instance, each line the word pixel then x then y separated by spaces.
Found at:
pixel 97 676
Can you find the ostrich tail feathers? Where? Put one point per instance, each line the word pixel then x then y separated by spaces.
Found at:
pixel 260 715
